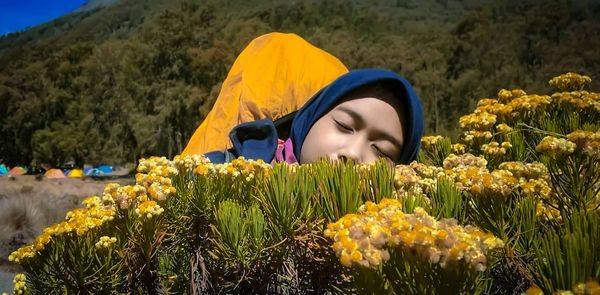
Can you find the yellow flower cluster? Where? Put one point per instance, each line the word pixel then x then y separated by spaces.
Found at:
pixel 503 128
pixel 416 176
pixel 505 95
pixel 155 174
pixel 500 110
pixel 480 182
pixel 362 238
pixel 526 170
pixel 146 180
pixel 588 288
pixel 426 171
pixel 189 162
pixel 458 162
pixel 160 192
pixel 495 149
pixel 578 99
pixel 92 201
pixel 81 220
pixel 501 107
pixel 123 196
pixel 533 177
pixel 157 166
pixel 22 254
pixel 19 284
pixel 477 121
pixel 239 167
pixel 555 147
pixel 458 148
pixel 149 209
pixel 546 212
pixel 470 174
pixel 570 81
pixel 78 221
pixel 472 136
pixel 431 140
pixel 591 288
pixel 105 242
pixel 587 142
pixel 529 103
pixel 510 104
pixel 535 186
pixel 486 102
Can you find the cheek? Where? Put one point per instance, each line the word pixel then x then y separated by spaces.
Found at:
pixel 320 142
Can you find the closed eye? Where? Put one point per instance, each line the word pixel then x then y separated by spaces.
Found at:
pixel 343 126
pixel 381 153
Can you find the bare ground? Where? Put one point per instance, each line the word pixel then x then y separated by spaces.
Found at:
pixel 28 205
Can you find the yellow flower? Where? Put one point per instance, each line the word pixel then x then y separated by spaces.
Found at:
pixel 19 283
pixel 586 141
pixel 494 149
pixel 201 170
pixel 534 290
pixel 459 148
pixel 105 242
pixel 41 241
pixel 356 256
pixel 570 81
pixel 189 162
pixel 503 128
pixel 428 141
pixel 486 101
pixel 439 241
pixel 22 253
pixel 507 95
pixel 160 192
pixel 463 161
pixel 477 121
pixel 555 147
pixel 346 259
pixel 529 103
pixel 149 209
pixel 472 136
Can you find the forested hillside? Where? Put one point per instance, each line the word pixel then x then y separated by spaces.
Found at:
pixel 136 78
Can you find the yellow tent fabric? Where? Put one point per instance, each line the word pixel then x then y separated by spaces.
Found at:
pixel 76 173
pixel 272 77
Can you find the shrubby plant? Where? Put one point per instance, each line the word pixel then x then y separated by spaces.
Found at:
pixel 512 207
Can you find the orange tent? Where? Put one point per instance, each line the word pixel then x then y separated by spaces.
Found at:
pixel 272 77
pixel 54 173
pixel 17 170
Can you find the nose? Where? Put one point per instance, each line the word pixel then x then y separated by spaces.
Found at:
pixel 351 151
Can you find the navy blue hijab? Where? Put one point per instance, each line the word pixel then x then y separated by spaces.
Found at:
pixel 258 139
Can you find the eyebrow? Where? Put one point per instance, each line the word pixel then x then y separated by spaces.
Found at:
pixel 356 116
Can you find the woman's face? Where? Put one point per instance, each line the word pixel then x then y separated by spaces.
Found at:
pixel 361 128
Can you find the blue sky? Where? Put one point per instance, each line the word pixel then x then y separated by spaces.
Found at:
pixel 17 15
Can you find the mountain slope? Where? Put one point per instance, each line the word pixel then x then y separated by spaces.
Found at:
pixel 135 78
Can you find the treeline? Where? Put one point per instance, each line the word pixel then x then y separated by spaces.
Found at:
pixel 136 78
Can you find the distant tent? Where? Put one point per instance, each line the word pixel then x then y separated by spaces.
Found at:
pixel 105 168
pixel 86 170
pixel 76 173
pixel 17 170
pixel 3 169
pixel 94 172
pixel 54 173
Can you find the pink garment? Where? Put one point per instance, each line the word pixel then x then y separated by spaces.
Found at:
pixel 285 152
